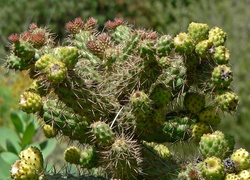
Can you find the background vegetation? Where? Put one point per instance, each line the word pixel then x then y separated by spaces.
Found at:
pixel 166 16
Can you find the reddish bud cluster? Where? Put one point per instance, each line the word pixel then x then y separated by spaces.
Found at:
pixel 33 26
pixel 14 38
pixel 75 26
pixel 114 24
pixel 146 34
pixel 104 40
pixel 90 24
pixel 38 39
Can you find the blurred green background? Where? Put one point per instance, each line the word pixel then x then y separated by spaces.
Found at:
pixel 164 16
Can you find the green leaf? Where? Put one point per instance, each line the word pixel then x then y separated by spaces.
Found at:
pixel 9 135
pixel 10 147
pixel 28 134
pixel 47 147
pixel 5 169
pixel 9 157
pixel 17 121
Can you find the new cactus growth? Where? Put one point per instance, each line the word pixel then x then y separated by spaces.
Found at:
pixel 124 95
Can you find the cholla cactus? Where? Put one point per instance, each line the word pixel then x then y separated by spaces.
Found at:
pixel 124 94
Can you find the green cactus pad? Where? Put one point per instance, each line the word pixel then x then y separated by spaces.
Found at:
pixel 164 45
pixel 24 50
pixel 89 157
pixel 16 63
pixel 160 95
pixel 178 128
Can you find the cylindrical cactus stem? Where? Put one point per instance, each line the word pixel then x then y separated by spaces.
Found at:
pixel 75 93
pixel 63 118
pixel 89 157
pixel 178 128
pixel 102 133
pixel 123 160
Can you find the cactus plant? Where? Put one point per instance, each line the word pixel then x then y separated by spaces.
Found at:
pixel 123 95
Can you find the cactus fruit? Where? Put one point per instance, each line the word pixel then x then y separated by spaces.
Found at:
pixel 124 94
pixel 198 31
pixel 43 61
pixel 221 55
pixel 232 177
pixel 194 102
pixel 209 115
pixel 30 102
pixel 72 155
pixel 56 71
pixel 199 129
pixel 160 95
pixel 67 55
pixel 49 131
pixel 244 174
pixel 226 100
pixel 241 159
pixel 217 36
pixel 222 76
pixel 203 47
pixel 161 150
pixel 30 165
pixel 214 144
pixel 183 43
pixel 212 168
